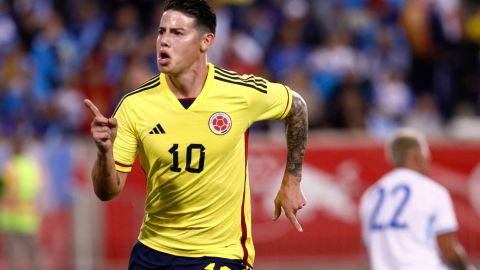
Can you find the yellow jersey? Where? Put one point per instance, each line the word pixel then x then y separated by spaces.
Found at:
pixel 195 160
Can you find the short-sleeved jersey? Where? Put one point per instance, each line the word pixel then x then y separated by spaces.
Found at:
pixel 198 196
pixel 401 216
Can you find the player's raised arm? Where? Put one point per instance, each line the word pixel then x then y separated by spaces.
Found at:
pixel 290 197
pixel 107 182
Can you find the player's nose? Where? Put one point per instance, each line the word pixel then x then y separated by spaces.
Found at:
pixel 164 40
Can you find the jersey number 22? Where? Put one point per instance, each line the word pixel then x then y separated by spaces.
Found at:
pixel 402 194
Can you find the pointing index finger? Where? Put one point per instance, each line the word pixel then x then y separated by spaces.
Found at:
pixel 294 221
pixel 96 112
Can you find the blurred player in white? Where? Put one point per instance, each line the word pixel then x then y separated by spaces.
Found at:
pixel 408 221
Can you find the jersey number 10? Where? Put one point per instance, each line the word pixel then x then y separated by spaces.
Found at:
pixel 400 191
pixel 190 150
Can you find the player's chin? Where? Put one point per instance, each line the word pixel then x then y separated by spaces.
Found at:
pixel 165 68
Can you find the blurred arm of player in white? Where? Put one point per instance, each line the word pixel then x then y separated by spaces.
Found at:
pixel 107 181
pixel 453 252
pixel 290 197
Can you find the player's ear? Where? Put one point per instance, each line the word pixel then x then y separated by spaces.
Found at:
pixel 206 42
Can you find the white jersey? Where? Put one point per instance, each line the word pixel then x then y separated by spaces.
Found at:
pixel 401 216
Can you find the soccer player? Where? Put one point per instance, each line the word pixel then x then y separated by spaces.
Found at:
pixel 406 217
pixel 189 125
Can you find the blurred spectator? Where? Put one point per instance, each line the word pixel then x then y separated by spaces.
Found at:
pixel 288 52
pixel 15 90
pixel 20 217
pixel 424 117
pixel 127 23
pixel 349 106
pixel 55 58
pixel 68 100
pixel 392 97
pixel 448 14
pixel 223 32
pixel 417 23
pixel 389 52
pixel 434 29
pixel 88 26
pixel 9 32
pixel 260 23
pixel 472 24
pixel 113 54
pixel 331 63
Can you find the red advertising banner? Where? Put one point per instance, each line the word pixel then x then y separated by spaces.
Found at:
pixel 335 174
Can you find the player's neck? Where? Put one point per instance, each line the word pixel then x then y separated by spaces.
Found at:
pixel 189 83
pixel 416 161
pixel 414 167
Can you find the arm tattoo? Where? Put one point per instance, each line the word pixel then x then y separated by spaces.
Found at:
pixel 296 125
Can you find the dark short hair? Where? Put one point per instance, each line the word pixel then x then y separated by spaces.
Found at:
pixel 198 9
pixel 401 143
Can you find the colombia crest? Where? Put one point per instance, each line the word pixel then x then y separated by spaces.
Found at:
pixel 220 123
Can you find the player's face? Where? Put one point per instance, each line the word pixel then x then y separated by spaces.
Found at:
pixel 178 42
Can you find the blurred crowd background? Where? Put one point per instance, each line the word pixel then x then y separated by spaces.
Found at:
pixel 362 65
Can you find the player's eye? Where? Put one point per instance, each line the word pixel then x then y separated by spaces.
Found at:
pixel 177 33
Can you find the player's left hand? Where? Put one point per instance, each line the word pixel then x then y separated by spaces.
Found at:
pixel 290 198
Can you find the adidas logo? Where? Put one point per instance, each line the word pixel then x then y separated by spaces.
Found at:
pixel 157 130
